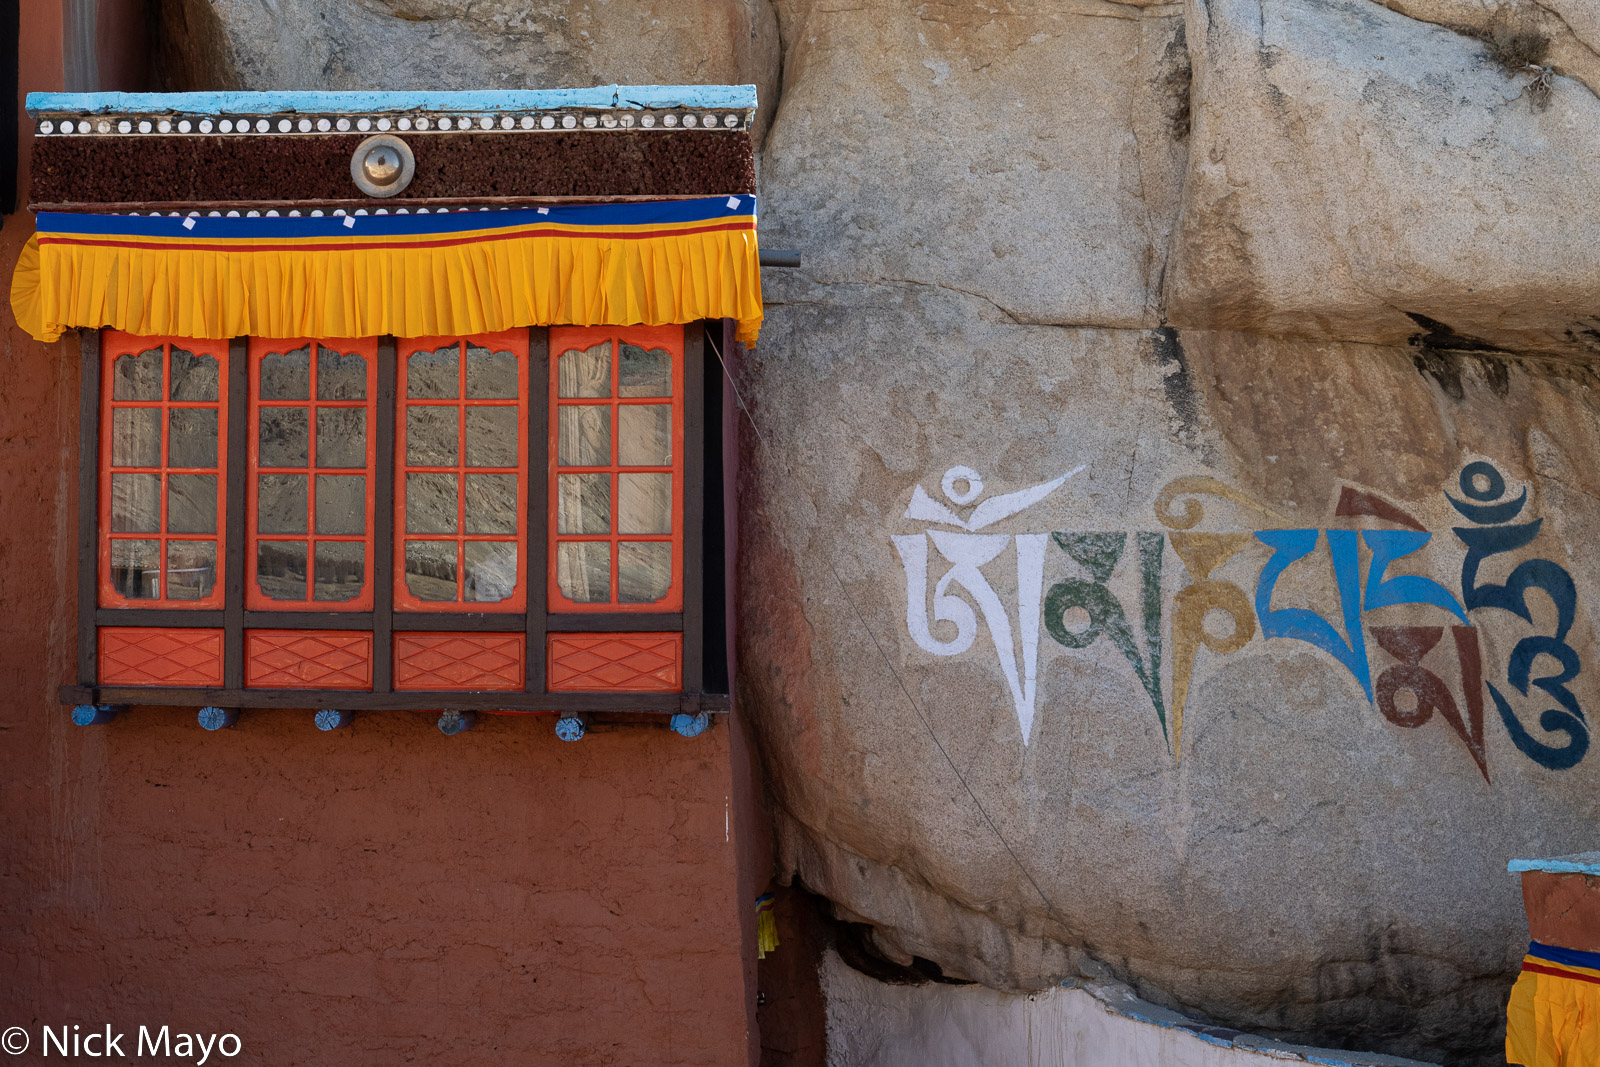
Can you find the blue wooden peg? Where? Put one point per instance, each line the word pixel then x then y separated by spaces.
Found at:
pixel 218 718
pixel 94 714
pixel 331 719
pixel 690 725
pixel 457 722
pixel 571 727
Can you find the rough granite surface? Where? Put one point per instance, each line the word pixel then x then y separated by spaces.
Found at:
pixel 1312 250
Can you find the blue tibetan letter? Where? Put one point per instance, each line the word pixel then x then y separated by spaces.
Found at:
pixel 1301 624
pixel 1388 546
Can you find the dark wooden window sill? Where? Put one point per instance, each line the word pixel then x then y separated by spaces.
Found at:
pixel 358 700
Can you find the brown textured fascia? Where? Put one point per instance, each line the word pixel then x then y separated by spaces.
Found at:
pixel 215 170
pixel 1563 909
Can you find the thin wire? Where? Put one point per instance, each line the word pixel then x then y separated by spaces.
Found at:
pixel 926 725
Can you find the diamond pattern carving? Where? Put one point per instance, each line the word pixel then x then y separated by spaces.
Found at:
pixel 626 663
pixel 308 659
pixel 459 661
pixel 137 655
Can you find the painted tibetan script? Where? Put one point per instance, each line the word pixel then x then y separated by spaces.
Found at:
pixel 1364 566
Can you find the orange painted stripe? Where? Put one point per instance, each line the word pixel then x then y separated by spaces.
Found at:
pixel 1576 976
pixel 184 246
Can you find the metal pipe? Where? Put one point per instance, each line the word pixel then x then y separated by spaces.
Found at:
pixel 780 257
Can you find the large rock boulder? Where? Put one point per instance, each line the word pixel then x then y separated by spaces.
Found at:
pixel 1296 857
pixel 1301 857
pixel 455 44
pixel 1133 722
pixel 1360 175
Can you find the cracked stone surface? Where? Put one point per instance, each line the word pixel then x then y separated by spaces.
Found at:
pixel 1572 27
pixel 1360 167
pixel 450 44
pixel 1353 254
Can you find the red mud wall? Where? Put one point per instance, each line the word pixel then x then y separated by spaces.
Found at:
pixel 376 895
pixel 370 895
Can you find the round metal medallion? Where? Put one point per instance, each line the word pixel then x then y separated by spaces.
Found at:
pixel 382 165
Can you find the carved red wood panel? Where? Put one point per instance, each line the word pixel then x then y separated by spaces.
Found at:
pixel 459 661
pixel 137 655
pixel 307 659
pixel 627 663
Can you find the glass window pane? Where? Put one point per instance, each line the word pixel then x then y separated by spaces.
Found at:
pixel 431 436
pixel 583 571
pixel 645 373
pixel 281 503
pixel 194 377
pixel 491 375
pixel 137 377
pixel 491 571
pixel 644 571
pixel 492 437
pixel 136 437
pixel 644 504
pixel 191 503
pixel 136 569
pixel 431 569
pixel 340 377
pixel 192 437
pixel 583 503
pixel 281 569
pixel 191 569
pixel 585 435
pixel 136 503
pixel 434 375
pixel 586 373
pixel 491 503
pixel 284 438
pixel 341 437
pixel 644 435
pixel 431 503
pixel 286 375
pixel 341 504
pixel 340 570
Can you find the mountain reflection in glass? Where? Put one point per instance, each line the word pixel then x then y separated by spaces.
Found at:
pixel 491 571
pixel 644 571
pixel 136 437
pixel 431 570
pixel 340 570
pixel 281 569
pixel 583 571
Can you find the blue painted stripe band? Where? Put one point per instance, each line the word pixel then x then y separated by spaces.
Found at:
pixel 1570 957
pixel 632 97
pixel 655 212
pixel 1582 863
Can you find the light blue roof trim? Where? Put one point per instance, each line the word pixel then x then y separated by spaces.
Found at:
pixel 632 97
pixel 1581 863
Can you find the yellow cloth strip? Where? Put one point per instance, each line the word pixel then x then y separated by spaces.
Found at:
pixel 1553 1021
pixel 399 290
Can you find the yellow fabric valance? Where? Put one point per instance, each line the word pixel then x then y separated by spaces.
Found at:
pixel 414 275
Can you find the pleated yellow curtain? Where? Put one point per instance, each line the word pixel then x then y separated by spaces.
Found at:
pixel 1553 1015
pixel 410 276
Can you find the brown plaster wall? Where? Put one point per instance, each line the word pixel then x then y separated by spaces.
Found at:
pixel 1563 909
pixel 377 895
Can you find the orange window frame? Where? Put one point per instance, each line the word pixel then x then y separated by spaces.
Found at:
pixel 367 349
pixel 114 344
pixel 515 342
pixel 566 339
